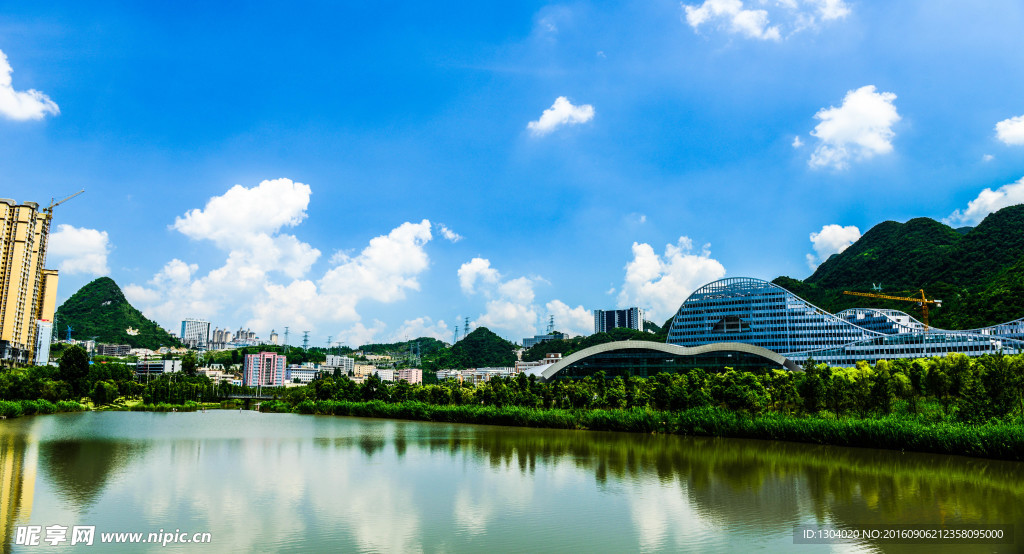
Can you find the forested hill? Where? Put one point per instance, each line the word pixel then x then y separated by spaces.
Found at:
pixel 100 310
pixel 480 348
pixel 426 345
pixel 977 272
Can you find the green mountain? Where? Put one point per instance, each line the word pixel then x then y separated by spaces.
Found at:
pixel 426 345
pixel 977 272
pixel 100 310
pixel 480 348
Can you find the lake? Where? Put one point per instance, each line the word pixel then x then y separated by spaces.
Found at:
pixel 282 482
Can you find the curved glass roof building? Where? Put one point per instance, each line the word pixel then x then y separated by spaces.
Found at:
pixel 760 313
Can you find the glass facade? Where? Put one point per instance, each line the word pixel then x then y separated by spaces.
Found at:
pixel 889 322
pixel 753 311
pixel 641 362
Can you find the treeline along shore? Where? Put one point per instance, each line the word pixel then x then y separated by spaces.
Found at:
pixel 950 405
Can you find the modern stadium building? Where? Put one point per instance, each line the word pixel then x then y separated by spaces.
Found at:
pixel 752 311
pixel 742 322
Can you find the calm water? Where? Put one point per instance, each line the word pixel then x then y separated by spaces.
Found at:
pixel 274 482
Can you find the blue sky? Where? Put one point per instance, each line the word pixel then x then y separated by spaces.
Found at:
pixel 370 172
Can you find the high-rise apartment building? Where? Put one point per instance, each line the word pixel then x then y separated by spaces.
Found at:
pixel 195 333
pixel 28 292
pixel 265 369
pixel 44 335
pixel 606 320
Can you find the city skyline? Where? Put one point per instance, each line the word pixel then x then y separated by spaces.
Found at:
pixel 375 177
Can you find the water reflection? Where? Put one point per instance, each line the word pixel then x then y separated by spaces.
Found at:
pixel 81 468
pixel 285 482
pixel 18 460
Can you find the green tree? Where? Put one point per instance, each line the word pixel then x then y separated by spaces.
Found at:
pixel 189 364
pixel 103 392
pixel 74 369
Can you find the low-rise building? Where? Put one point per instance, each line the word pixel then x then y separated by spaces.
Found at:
pixel 412 375
pixel 537 339
pixel 216 375
pixel 113 349
pixel 302 373
pixel 475 376
pixel 157 367
pixel 534 368
pixel 363 370
pixel 344 363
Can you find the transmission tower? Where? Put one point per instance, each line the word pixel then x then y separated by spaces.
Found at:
pixel 465 331
pixel 329 337
pixel 69 333
pixel 305 340
pixel 551 324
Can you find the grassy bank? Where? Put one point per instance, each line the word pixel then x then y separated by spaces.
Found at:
pixel 1003 441
pixel 15 408
pixel 164 407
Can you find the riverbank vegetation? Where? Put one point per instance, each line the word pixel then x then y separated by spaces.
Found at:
pixel 953 405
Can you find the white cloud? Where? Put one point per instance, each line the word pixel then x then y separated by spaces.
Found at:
pixel 78 250
pixel 831 9
pixel 1011 131
pixel 660 284
pixel 987 158
pixel 518 290
pixel 422 327
pixel 831 239
pixel 857 130
pixel 476 269
pixel 22 105
pixel 386 268
pixel 988 201
pixel 510 306
pixel 574 321
pixel 562 112
pixel 517 320
pixel 264 282
pixel 749 23
pixel 448 233
pixel 359 334
pixel 734 17
pixel 231 218
pixel 797 143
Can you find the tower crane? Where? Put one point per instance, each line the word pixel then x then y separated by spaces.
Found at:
pixel 923 301
pixel 49 209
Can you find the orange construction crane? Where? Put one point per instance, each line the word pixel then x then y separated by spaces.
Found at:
pixel 923 301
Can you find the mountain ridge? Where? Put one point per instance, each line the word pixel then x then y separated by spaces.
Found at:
pixel 977 272
pixel 99 309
